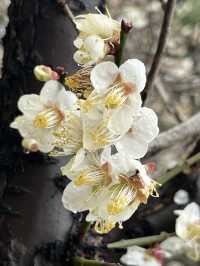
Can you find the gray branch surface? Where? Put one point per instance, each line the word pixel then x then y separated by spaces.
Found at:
pixel 190 128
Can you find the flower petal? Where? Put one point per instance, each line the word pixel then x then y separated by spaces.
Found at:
pixel 146 126
pixel 66 100
pixel 30 105
pixel 78 42
pixel 50 91
pixel 95 47
pixel 103 75
pixel 76 199
pixel 121 120
pixel 133 146
pixel 133 70
pixel 191 214
pixel 82 57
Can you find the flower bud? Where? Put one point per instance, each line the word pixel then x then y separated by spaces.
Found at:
pixel 30 144
pixel 45 73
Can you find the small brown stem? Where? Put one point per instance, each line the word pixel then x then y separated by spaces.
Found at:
pixel 169 11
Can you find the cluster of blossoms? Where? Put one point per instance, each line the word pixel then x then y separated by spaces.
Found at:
pixel 186 242
pixel 100 121
pixel 4 4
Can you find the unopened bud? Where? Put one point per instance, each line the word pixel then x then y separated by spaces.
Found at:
pixel 150 167
pixel 126 26
pixel 30 145
pixel 45 73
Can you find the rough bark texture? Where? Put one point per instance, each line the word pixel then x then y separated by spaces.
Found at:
pixel 31 212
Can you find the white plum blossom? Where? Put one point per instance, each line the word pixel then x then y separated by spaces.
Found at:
pixel 137 256
pixel 96 30
pixel 117 93
pixel 130 187
pixel 188 229
pixel 89 175
pixel 43 113
pixel 143 130
pixel 187 239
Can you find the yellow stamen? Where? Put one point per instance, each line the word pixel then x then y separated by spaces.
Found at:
pixel 69 135
pixel 194 231
pixel 118 93
pixel 48 118
pixel 92 176
pixel 122 195
pixel 103 136
pixel 80 83
pixel 103 227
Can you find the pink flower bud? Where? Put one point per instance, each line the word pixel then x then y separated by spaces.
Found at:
pixel 45 73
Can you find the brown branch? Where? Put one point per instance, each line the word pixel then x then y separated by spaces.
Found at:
pixel 169 11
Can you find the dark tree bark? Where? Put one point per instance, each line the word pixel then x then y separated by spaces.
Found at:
pixel 31 212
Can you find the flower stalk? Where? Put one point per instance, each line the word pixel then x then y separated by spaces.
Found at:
pixel 125 29
pixel 141 241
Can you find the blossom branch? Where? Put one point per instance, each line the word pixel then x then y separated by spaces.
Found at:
pixel 85 262
pixel 169 11
pixel 66 9
pixel 178 169
pixel 141 241
pixel 190 128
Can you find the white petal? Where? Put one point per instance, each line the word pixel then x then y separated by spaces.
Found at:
pixel 121 120
pixel 103 75
pixel 66 100
pixel 97 24
pixel 30 105
pixel 191 214
pixel 135 102
pixel 79 159
pixel 137 256
pixel 95 47
pixel 50 91
pixel 78 42
pixel 82 57
pixel 105 155
pixel 76 199
pixel 133 146
pixel 146 126
pixel 133 70
pixel 173 246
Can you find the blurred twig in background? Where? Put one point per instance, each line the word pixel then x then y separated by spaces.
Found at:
pixel 189 128
pixel 169 10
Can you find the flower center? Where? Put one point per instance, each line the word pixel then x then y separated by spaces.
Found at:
pixel 122 195
pixel 93 176
pixel 48 118
pixel 118 94
pixel 68 135
pixel 103 136
pixel 194 231
pixel 104 227
pixel 80 83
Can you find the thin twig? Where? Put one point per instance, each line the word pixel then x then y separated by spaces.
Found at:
pixel 190 128
pixel 141 241
pixel 178 169
pixel 169 10
pixel 80 261
pixel 66 9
